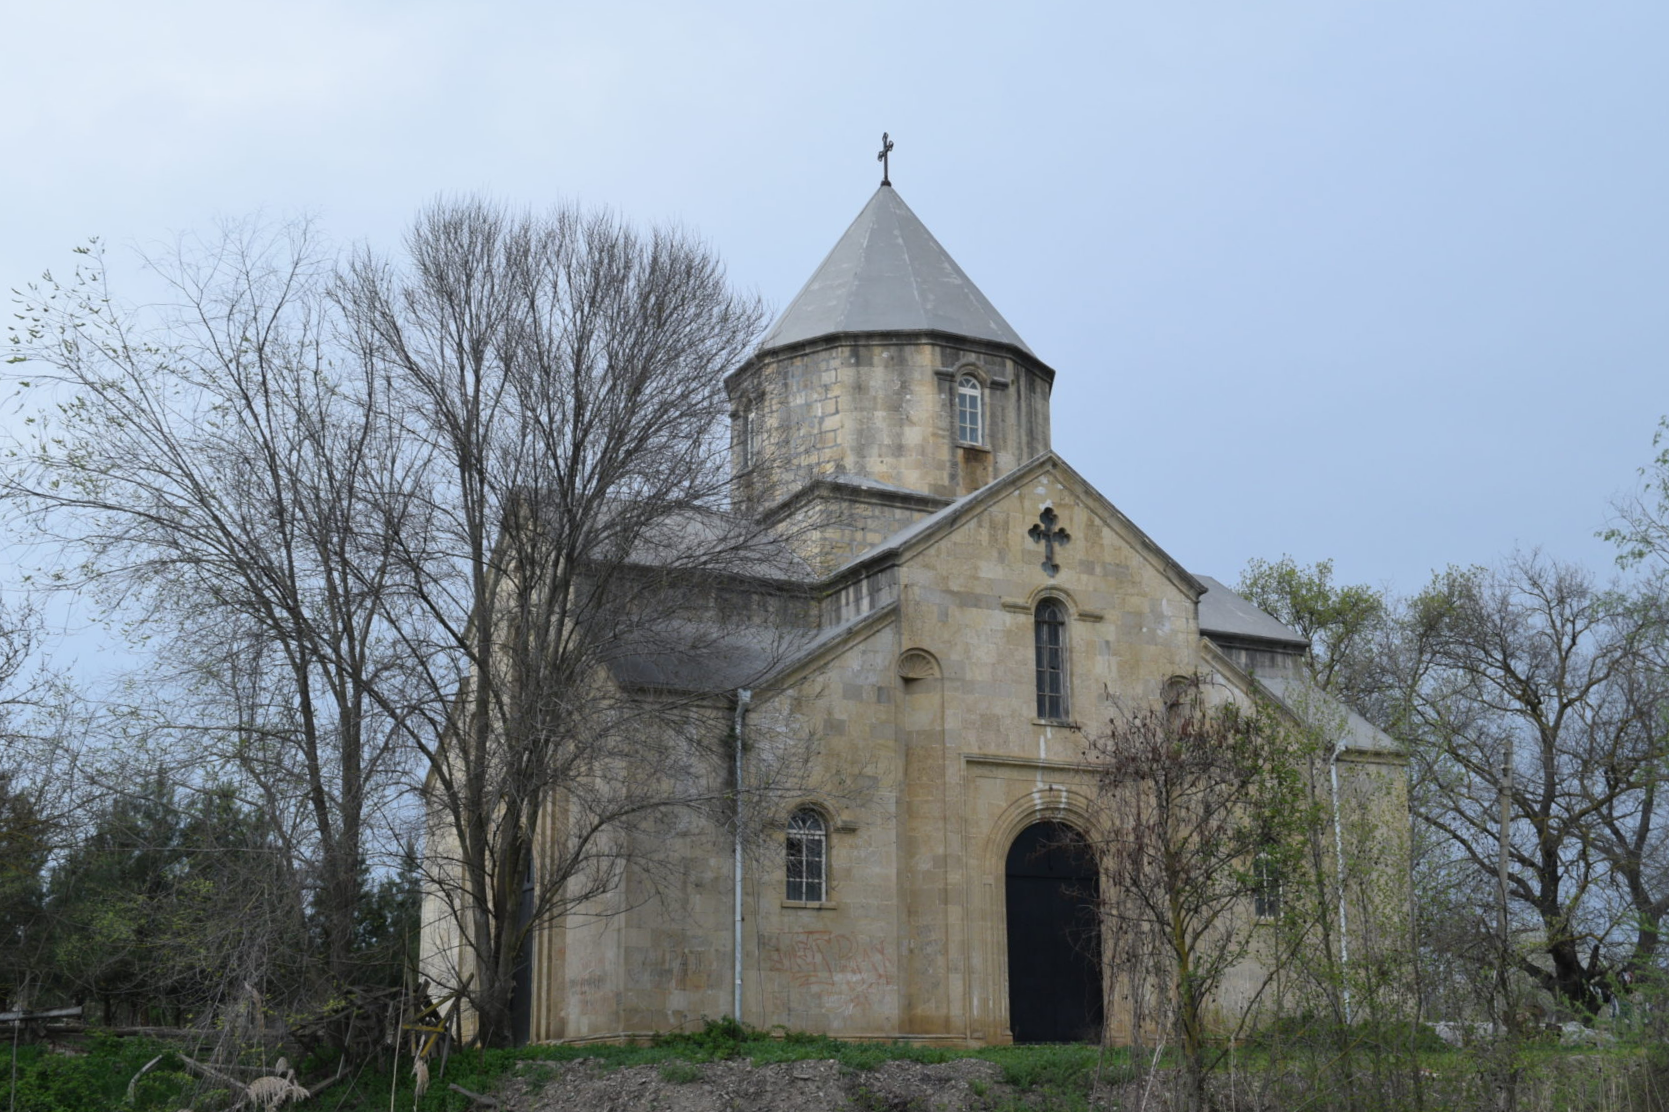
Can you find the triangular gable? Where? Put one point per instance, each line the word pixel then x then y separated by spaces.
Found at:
pixel 905 543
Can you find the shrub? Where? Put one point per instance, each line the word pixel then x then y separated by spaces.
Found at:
pixel 718 1039
pixel 681 1073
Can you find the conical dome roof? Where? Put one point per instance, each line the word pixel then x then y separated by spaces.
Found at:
pixel 888 274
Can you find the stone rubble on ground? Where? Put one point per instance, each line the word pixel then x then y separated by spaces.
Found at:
pixel 964 1085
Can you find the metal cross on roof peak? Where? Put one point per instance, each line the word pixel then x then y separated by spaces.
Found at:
pixel 881 157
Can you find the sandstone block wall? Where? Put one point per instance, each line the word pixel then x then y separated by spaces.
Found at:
pixel 885 409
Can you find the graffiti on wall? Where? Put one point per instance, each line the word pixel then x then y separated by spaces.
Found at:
pixel 854 972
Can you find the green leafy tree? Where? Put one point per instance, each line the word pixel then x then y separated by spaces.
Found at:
pixel 1640 528
pixel 106 897
pixel 390 918
pixel 1343 622
pixel 163 898
pixel 24 845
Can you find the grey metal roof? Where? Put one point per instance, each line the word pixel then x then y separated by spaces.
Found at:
pixel 1341 724
pixel 714 542
pixel 888 274
pixel 694 656
pixel 706 657
pixel 847 478
pixel 1223 611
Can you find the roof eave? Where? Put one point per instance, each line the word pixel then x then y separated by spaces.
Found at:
pixel 916 335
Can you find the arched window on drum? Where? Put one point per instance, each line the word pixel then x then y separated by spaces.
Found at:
pixel 970 411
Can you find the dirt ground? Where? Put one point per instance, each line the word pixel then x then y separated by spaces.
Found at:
pixel 965 1085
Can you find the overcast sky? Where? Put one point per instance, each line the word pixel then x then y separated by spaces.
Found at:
pixel 1382 282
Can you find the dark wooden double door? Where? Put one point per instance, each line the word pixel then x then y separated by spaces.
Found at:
pixel 1054 937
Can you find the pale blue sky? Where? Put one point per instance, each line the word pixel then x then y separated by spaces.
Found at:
pixel 1381 281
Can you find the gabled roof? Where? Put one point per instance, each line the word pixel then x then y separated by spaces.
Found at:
pixel 1311 704
pixel 714 542
pixel 888 274
pixel 706 657
pixel 1226 613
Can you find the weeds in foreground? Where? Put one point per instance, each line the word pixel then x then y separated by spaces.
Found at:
pixel 681 1073
pixel 97 1081
pixel 1046 1078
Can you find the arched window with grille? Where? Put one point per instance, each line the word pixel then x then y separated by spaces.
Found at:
pixel 808 857
pixel 970 411
pixel 1049 626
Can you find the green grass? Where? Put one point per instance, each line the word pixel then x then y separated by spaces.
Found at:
pixel 1047 1078
pixel 1043 1077
pixel 97 1081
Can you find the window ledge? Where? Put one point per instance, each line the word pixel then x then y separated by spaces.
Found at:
pixel 1062 723
pixel 972 447
pixel 809 905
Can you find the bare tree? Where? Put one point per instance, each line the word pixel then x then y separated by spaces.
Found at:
pixel 209 466
pixel 1537 703
pixel 576 550
pixel 476 503
pixel 1202 809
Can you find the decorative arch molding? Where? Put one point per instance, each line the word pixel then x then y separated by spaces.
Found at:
pixel 827 811
pixel 975 368
pixel 918 664
pixel 817 806
pixel 1061 803
pixel 1077 612
pixel 988 378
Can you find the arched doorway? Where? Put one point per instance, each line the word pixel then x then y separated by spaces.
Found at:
pixel 1054 940
pixel 521 1002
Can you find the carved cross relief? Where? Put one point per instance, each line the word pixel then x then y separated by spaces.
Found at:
pixel 1048 534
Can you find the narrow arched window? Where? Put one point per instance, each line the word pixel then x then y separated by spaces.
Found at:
pixel 808 857
pixel 747 437
pixel 1050 630
pixel 1266 886
pixel 970 411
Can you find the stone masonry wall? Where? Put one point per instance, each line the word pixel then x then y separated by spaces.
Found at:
pixel 885 409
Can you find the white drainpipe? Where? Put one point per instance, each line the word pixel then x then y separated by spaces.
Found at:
pixel 743 697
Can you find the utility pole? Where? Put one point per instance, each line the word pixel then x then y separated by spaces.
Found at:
pixel 1503 984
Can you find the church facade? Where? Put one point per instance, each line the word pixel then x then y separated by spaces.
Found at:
pixel 978 607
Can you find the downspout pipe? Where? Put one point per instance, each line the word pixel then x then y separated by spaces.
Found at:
pixel 743 698
pixel 1338 851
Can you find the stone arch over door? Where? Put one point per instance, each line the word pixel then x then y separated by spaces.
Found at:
pixel 1054 935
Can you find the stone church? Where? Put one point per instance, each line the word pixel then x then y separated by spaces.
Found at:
pixel 979 606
